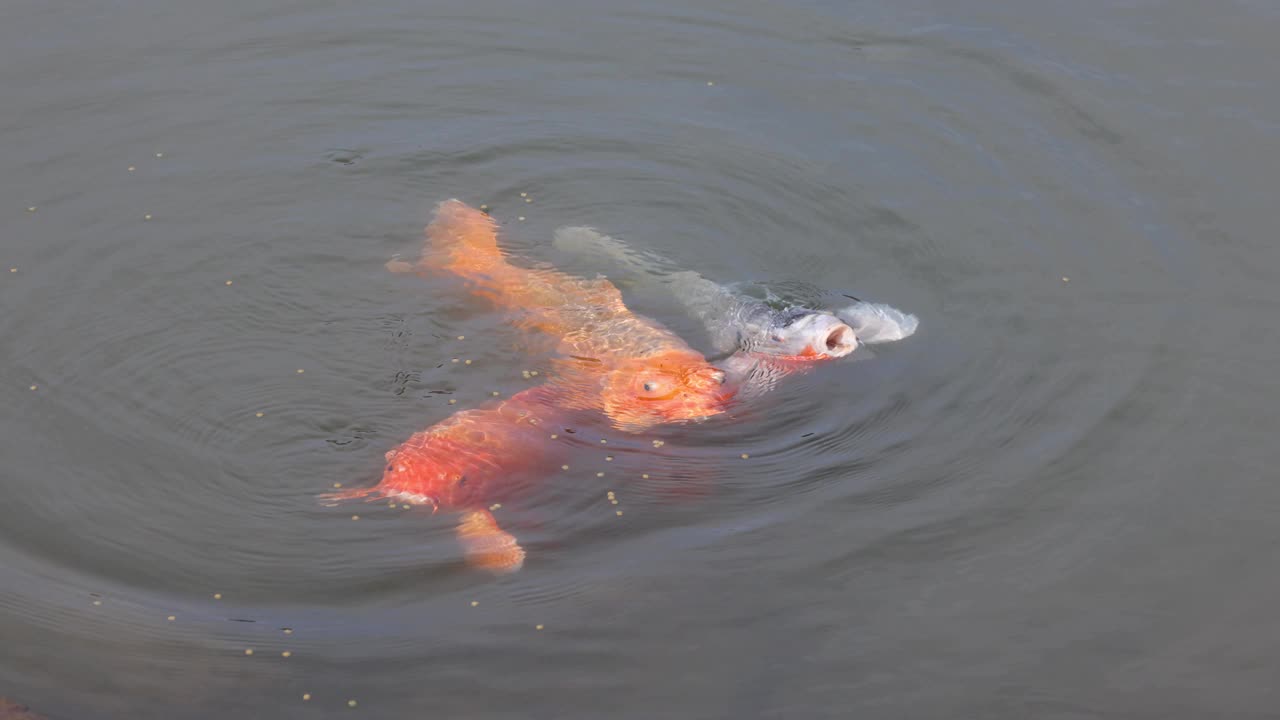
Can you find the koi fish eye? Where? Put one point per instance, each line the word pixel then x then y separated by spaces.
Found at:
pixel 655 388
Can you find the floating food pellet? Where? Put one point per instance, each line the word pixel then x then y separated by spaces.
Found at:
pixel 467 362
pixel 286 653
pixel 455 360
pixel 524 194
pixel 248 651
pixel 614 501
pixel 745 456
pixel 31 209
pixel 520 218
pixel 710 83
pixel 475 603
pixel 1066 279
pixel 306 696
pixel 619 513
pixel 337 485
pixel 392 504
pixel 355 517
pixel 160 155
pixel 484 207
pixel 228 282
pixel 599 474
pixel 405 507
pixel 287 631
pixel 537 627
pixel 453 401
pixel 462 337
pixel 525 374
pixel 610 494
pixel 33 387
pixel 645 476
pixel 608 458
pixel 528 200
pixel 351 703
pixel 171 618
pixel 147 216
pixel 658 443
pixel 554 436
pixel 564 467
pixel 495 393
pixel 132 168
pixel 97 602
pixel 533 373
pixel 300 371
pixel 217 596
pixel 258 414
pixel 13 269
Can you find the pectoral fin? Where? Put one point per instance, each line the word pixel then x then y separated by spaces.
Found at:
pixel 488 546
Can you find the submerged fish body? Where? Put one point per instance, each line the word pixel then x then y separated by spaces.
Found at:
pixel 734 321
pixel 767 343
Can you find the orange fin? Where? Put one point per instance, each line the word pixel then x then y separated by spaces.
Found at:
pixel 462 239
pixel 488 546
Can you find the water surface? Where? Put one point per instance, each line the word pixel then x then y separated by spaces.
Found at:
pixel 1056 500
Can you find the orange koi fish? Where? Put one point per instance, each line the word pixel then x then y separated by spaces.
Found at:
pixel 473 459
pixel 636 371
pixel 631 369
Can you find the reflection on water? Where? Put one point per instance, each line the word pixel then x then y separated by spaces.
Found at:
pixel 1051 500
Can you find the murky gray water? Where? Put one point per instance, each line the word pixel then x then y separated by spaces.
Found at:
pixel 1057 500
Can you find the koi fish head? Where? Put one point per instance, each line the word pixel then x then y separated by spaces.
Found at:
pixel 674 386
pixel 808 334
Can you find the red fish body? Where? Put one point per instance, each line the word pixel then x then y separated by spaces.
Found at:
pixel 473 459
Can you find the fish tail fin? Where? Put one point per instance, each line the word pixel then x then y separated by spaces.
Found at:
pixel 461 240
pixel 488 546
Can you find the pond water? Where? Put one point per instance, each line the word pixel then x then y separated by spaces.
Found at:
pixel 1056 500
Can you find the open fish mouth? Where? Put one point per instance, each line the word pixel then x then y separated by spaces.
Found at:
pixel 840 340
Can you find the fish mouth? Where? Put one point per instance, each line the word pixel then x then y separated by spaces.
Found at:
pixel 840 341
